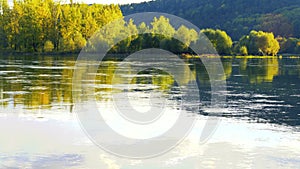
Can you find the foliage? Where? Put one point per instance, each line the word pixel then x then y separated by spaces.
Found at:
pixel 126 37
pixel 47 25
pixel 30 24
pixel 221 41
pixel 260 43
pixel 237 17
pixel 276 23
pixel 290 45
pixel 243 50
pixel 187 36
pixel 48 46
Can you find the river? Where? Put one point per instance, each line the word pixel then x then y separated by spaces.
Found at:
pixel 259 126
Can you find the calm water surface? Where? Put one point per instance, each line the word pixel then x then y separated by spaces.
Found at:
pixel 259 128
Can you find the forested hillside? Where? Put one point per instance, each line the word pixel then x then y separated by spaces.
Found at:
pixel 236 17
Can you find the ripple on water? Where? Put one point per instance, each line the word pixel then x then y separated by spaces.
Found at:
pixel 267 101
pixel 10 71
pixel 263 96
pixel 48 67
pixel 6 100
pixel 15 92
pixel 38 88
pixel 49 75
pixel 20 81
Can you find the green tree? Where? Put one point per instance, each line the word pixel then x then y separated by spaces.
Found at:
pixel 143 39
pixel 79 41
pixel 162 26
pixel 48 46
pixel 243 50
pixel 4 20
pixel 276 23
pixel 89 24
pixel 290 45
pixel 29 24
pixel 260 43
pixel 220 40
pixel 162 32
pixel 186 36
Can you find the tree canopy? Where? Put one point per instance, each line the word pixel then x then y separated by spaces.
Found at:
pixel 221 41
pixel 32 25
pixel 236 17
pixel 290 45
pixel 260 43
pixel 49 26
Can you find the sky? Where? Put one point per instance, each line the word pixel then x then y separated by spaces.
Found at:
pixel 102 1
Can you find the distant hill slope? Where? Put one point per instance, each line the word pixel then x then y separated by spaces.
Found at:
pixel 237 17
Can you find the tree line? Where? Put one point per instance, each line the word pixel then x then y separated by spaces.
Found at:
pixel 237 17
pixel 48 26
pixel 161 34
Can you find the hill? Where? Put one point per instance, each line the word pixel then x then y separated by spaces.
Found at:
pixel 236 17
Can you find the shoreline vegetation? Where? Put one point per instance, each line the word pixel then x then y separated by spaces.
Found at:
pixel 121 55
pixel 47 27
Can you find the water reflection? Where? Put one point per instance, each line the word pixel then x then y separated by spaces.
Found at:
pixel 61 144
pixel 260 70
pixel 36 84
pixel 259 89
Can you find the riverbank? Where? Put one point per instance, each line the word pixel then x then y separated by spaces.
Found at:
pixel 6 53
pixel 291 56
pixel 16 53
